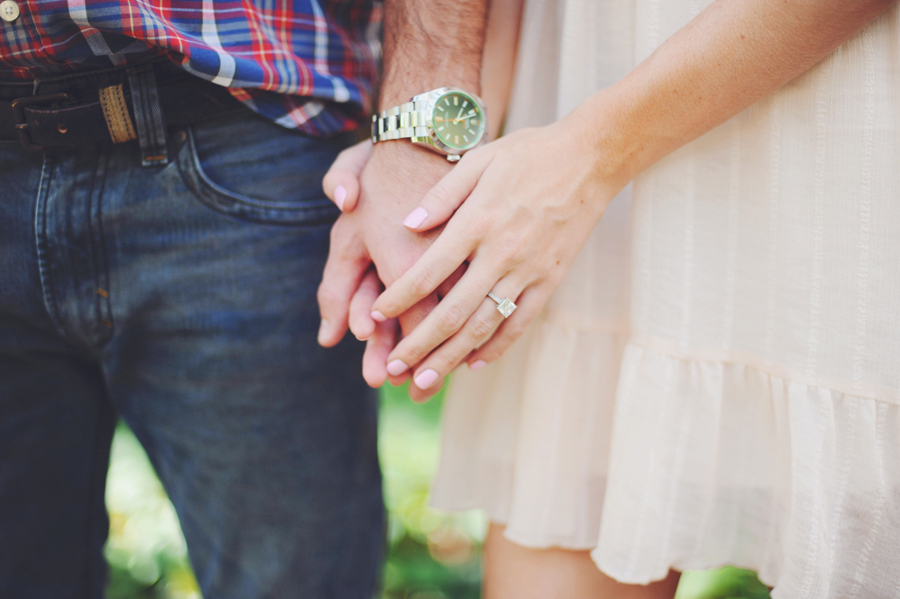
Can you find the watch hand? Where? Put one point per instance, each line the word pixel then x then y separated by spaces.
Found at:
pixel 465 118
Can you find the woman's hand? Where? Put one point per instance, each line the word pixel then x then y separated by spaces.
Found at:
pixel 531 199
pixel 535 195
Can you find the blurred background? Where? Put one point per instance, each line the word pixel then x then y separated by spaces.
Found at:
pixel 432 554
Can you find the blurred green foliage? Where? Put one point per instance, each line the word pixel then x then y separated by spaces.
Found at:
pixel 432 554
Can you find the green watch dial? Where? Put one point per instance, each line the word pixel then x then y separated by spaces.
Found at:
pixel 458 120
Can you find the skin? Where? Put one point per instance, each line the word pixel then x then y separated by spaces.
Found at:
pixel 729 57
pixel 513 571
pixel 527 214
pixel 427 44
pixel 342 185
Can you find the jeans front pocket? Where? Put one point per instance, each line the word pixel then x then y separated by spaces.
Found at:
pixel 252 169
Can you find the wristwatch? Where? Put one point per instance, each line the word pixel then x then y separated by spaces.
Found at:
pixel 447 120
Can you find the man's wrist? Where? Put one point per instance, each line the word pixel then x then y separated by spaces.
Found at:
pixel 399 163
pixel 401 92
pixel 402 152
pixel 430 44
pixel 394 181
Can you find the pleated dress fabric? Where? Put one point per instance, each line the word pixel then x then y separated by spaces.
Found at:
pixel 756 416
pixel 527 438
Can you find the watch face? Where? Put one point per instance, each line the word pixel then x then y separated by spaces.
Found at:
pixel 458 120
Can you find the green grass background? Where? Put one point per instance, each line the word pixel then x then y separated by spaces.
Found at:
pixel 432 554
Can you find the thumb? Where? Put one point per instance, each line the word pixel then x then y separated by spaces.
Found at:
pixel 341 182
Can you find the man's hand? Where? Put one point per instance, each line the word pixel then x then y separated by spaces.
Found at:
pixel 397 176
pixel 427 44
pixel 341 182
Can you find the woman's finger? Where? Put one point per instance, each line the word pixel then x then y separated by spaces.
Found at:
pixel 445 287
pixel 439 262
pixel 346 265
pixel 476 331
pixel 529 305
pixel 532 307
pixel 409 320
pixel 452 314
pixel 378 346
pixel 423 395
pixel 361 323
pixel 341 182
pixel 443 199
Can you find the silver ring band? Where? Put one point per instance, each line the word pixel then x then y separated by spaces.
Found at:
pixel 505 306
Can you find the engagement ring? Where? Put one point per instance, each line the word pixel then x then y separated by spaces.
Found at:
pixel 505 306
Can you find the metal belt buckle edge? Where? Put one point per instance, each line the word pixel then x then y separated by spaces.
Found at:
pixel 21 123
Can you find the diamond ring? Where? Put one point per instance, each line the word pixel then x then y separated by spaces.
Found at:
pixel 505 306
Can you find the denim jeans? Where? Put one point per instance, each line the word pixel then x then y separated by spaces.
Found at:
pixel 182 299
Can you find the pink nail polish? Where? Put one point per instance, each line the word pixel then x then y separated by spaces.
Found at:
pixel 397 367
pixel 378 316
pixel 426 379
pixel 323 330
pixel 415 218
pixel 340 194
pixel 477 365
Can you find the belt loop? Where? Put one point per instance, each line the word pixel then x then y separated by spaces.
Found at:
pixel 148 116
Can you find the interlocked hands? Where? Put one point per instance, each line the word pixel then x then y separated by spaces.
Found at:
pixel 514 215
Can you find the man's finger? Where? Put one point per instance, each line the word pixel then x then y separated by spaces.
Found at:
pixel 341 182
pixel 346 265
pixel 378 346
pixel 361 323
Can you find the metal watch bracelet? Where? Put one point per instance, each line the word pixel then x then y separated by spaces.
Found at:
pixel 406 121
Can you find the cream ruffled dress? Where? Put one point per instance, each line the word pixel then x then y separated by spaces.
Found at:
pixel 751 314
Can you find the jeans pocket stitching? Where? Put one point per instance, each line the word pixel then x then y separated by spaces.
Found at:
pixel 240 206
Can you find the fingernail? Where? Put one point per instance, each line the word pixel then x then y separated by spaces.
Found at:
pixel 415 218
pixel 323 330
pixel 426 379
pixel 340 194
pixel 378 316
pixel 397 367
pixel 477 365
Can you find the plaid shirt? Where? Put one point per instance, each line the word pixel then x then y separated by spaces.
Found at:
pixel 306 64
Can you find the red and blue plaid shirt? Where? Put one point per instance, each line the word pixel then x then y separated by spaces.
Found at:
pixel 306 64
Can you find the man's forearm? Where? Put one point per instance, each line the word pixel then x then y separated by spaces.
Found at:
pixel 427 44
pixel 430 44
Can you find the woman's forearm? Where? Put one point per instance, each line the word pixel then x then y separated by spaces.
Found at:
pixel 733 54
pixel 501 40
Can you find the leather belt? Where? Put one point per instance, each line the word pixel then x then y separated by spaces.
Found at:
pixel 57 119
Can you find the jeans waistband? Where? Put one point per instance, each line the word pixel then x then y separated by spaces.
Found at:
pixel 121 104
pixel 85 84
